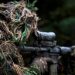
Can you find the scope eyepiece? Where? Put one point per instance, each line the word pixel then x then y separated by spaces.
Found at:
pixel 45 36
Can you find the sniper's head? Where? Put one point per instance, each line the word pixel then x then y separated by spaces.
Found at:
pixel 21 19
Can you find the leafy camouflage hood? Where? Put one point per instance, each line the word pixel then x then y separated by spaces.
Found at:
pixel 18 20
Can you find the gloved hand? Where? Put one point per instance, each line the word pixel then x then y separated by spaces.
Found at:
pixel 42 63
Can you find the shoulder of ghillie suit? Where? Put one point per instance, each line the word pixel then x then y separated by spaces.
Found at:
pixel 17 21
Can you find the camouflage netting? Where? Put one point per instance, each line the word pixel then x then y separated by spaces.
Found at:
pixel 15 26
pixel 17 21
pixel 9 54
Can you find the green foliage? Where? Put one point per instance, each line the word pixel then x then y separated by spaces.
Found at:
pixel 31 6
pixel 33 70
pixel 23 38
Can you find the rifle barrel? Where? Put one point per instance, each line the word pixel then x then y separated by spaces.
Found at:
pixel 55 50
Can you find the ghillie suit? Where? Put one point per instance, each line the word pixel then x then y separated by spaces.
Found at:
pixel 18 20
pixel 16 24
pixel 9 54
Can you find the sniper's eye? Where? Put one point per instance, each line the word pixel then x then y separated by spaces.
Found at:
pixel 29 20
pixel 1 35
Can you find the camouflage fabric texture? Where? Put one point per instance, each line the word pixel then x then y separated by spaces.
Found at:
pixel 16 24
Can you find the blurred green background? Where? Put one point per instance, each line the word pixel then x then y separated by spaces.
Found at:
pixel 58 16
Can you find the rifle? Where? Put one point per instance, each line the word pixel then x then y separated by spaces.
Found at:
pixel 46 45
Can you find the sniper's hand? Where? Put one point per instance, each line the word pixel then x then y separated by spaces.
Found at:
pixel 42 63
